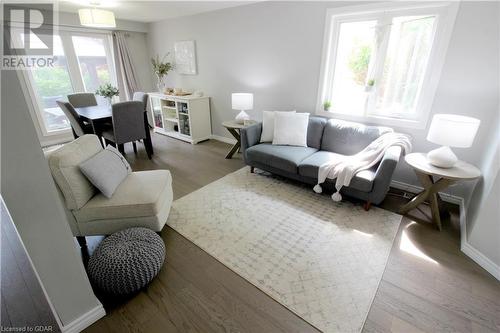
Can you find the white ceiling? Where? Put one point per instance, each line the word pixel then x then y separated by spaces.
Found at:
pixel 150 11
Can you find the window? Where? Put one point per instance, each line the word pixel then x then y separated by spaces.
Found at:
pixel 83 61
pixel 381 63
pixel 51 84
pixel 93 58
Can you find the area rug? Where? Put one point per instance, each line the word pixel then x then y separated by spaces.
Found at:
pixel 320 259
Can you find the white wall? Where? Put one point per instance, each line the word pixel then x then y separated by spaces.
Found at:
pixel 273 49
pixel 483 215
pixel 30 195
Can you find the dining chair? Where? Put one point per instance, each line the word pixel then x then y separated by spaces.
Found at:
pixel 128 126
pixel 142 97
pixel 78 127
pixel 80 100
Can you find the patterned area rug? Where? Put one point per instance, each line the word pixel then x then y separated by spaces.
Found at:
pixel 320 259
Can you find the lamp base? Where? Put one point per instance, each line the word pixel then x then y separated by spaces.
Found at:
pixel 442 157
pixel 241 117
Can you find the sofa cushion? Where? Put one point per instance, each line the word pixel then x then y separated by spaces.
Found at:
pixel 267 134
pixel 141 194
pixel 315 131
pixel 291 129
pixel 64 165
pixel 348 138
pixel 362 181
pixel 286 158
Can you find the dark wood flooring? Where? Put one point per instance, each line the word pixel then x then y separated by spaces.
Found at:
pixel 429 285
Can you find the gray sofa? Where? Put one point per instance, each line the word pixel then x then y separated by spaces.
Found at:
pixel 326 139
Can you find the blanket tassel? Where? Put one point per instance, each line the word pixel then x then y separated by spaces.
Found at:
pixel 337 197
pixel 317 188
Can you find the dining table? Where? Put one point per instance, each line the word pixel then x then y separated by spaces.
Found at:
pixel 97 115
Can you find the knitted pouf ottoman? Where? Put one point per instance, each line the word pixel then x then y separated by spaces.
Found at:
pixel 127 261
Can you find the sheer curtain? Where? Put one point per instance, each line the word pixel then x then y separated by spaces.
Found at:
pixel 125 72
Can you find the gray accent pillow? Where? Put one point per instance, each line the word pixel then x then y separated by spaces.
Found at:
pixel 106 170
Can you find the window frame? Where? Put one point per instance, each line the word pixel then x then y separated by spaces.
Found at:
pixel 445 13
pixel 35 105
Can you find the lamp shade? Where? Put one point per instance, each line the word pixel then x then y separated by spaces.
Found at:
pixel 97 18
pixel 453 130
pixel 242 101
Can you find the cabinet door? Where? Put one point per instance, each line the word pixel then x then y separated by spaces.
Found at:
pixel 156 109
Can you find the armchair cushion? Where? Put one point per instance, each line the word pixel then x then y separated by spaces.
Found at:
pixel 64 165
pixel 362 181
pixel 141 194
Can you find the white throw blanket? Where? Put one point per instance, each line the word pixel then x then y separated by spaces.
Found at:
pixel 344 169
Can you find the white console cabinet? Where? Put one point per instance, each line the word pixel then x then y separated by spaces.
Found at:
pixel 185 118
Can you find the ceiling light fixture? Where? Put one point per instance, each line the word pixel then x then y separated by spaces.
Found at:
pixel 97 18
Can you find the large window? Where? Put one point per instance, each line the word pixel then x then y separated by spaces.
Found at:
pixel 51 84
pixel 82 62
pixel 381 63
pixel 94 59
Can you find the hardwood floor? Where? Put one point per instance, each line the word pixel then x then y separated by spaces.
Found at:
pixel 429 285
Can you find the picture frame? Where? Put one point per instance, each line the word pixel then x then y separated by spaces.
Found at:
pixel 185 57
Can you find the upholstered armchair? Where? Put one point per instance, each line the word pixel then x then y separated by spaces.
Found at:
pixel 143 199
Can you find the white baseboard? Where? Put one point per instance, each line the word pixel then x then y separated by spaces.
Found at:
pixel 481 259
pixel 415 189
pixel 223 139
pixel 465 247
pixel 85 320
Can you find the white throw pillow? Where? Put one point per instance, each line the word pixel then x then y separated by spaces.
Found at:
pixel 291 129
pixel 267 134
pixel 106 170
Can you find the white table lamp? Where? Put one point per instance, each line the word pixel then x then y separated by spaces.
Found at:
pixel 242 102
pixel 450 130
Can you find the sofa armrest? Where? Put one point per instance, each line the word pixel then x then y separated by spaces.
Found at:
pixel 250 136
pixel 384 172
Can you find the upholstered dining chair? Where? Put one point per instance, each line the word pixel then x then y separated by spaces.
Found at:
pixel 128 126
pixel 80 100
pixel 141 97
pixel 77 125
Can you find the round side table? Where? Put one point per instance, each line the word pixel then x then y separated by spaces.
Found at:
pixel 445 177
pixel 234 128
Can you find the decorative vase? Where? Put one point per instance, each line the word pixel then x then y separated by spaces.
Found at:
pixel 161 84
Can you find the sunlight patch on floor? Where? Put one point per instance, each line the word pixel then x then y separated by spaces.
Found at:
pixel 362 233
pixel 408 246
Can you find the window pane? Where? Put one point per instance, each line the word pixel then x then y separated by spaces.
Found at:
pixel 355 46
pixel 404 68
pixel 92 59
pixel 51 84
